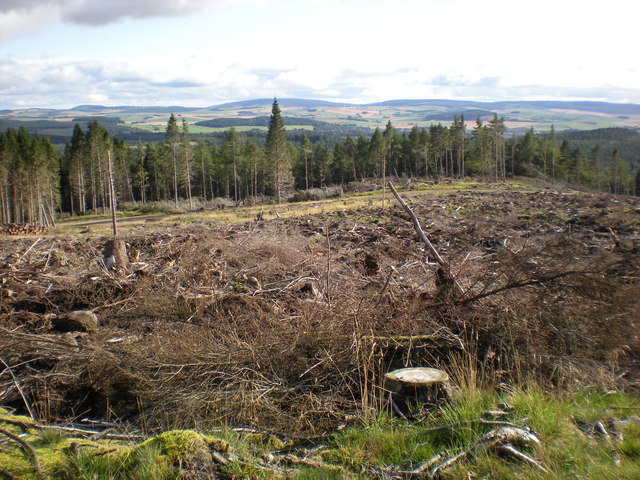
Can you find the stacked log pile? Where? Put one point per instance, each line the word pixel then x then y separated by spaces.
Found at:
pixel 22 229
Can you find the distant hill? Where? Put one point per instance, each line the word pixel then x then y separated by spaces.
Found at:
pixel 322 117
pixel 284 103
pixel 256 122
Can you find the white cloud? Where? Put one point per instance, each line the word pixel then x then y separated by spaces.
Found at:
pixel 347 50
pixel 19 17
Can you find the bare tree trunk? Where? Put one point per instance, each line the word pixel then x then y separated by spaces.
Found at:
pixel 103 187
pixel 112 195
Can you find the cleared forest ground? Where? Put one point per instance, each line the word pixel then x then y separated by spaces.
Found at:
pixel 288 324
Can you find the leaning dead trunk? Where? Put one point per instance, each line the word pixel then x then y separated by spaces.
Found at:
pixel 448 286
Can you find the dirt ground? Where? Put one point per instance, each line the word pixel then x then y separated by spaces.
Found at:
pixel 289 324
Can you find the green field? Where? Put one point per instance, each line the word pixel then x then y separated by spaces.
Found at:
pixel 519 116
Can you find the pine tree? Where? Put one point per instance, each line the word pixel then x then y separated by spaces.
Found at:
pixel 595 164
pixel 74 157
pixel 231 152
pixel 172 136
pixel 185 145
pixel 305 152
pixel 278 153
pixel 498 128
pixel 202 157
pixel 351 148
pixel 139 174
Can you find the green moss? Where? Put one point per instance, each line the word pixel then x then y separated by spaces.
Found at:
pixel 185 445
pixel 382 442
pixel 264 441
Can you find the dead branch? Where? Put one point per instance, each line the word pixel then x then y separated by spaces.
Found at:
pixel 27 447
pixel 19 387
pixel 504 436
pixel 511 286
pixel 85 432
pixel 416 224
pixel 517 454
pixel 444 265
pixel 8 475
pixel 28 250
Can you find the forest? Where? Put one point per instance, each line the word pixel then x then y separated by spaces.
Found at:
pixel 37 184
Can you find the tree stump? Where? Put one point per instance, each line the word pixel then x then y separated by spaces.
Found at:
pixel 114 255
pixel 419 385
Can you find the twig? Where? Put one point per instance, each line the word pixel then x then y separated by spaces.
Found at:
pixel 423 467
pixel 392 270
pixel 109 305
pixel 18 423
pixel 27 446
pixel 16 382
pixel 395 407
pixel 90 433
pixel 536 281
pixel 327 292
pixel 28 250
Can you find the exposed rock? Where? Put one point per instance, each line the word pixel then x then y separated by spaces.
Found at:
pixel 78 321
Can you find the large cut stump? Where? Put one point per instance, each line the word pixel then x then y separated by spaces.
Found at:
pixel 114 255
pixel 421 385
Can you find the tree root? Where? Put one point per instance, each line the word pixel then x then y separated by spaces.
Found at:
pixel 500 440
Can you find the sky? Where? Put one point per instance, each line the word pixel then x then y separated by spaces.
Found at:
pixel 197 53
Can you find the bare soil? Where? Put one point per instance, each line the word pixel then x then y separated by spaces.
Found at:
pixel 289 324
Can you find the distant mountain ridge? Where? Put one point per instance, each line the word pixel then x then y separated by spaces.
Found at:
pixel 592 106
pixel 324 117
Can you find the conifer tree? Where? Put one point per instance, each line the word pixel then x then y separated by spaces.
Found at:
pixel 278 153
pixel 172 136
pixel 202 157
pixel 74 156
pixel 185 144
pixel 305 152
pixel 231 154
pixel 254 157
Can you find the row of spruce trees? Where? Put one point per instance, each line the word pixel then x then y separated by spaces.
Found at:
pixel 35 182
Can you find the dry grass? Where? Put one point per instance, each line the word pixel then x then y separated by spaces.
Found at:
pixel 285 325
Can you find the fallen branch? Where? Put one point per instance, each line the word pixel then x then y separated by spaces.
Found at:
pixel 528 283
pixel 501 440
pixel 8 475
pixel 27 447
pixel 18 423
pixel 83 432
pixel 28 250
pixel 19 387
pixel 517 454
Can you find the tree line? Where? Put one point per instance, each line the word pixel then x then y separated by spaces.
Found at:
pixel 29 179
pixel 35 182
